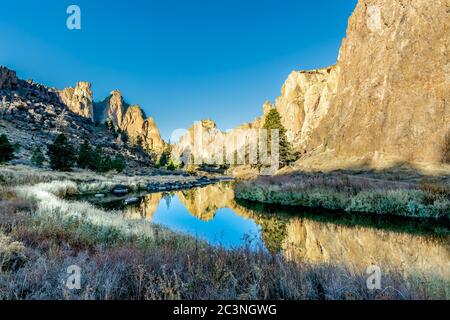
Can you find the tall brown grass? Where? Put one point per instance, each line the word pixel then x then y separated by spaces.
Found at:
pixel 350 193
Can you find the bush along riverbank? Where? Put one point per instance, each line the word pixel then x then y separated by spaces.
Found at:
pixel 350 194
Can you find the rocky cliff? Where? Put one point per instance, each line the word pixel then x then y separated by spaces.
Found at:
pixel 387 99
pixel 33 115
pixel 79 99
pixel 393 88
pixel 136 124
pixel 129 119
pixel 305 101
pixel 112 108
pixel 8 79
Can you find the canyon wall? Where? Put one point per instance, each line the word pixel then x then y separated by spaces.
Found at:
pixel 385 102
pixel 129 119
pixel 393 88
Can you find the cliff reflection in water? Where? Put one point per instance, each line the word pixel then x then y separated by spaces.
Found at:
pixel 300 236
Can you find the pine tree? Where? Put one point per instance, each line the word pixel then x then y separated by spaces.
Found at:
pixel 6 149
pixel 165 157
pixel 140 142
pixel 61 154
pixel 124 137
pixel 84 155
pixel 37 158
pixel 273 122
pixel 119 163
pixel 96 159
pixel 171 166
pixel 110 125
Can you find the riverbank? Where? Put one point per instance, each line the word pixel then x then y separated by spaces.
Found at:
pixel 88 182
pixel 352 194
pixel 42 234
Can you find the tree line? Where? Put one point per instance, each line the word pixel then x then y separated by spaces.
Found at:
pixel 62 156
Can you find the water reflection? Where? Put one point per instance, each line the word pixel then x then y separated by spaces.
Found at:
pixel 213 214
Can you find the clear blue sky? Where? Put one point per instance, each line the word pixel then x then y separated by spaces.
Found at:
pixel 180 60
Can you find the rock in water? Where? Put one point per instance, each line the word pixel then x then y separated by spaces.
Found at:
pixel 120 190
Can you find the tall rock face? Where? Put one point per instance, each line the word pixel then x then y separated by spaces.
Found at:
pixel 393 93
pixel 129 119
pixel 79 99
pixel 198 144
pixel 8 79
pixel 305 100
pixel 112 108
pixel 136 125
pixel 387 99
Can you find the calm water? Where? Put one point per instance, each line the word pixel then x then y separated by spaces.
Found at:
pixel 211 213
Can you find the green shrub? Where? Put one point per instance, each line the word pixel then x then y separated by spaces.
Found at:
pixel 119 163
pixel 61 154
pixel 37 158
pixel 6 149
pixel 171 166
pixel 85 155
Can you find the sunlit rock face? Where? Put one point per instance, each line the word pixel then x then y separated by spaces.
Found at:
pixel 392 98
pixel 386 100
pixel 136 125
pixel 79 99
pixel 305 100
pixel 360 247
pixel 129 119
pixel 112 108
pixel 199 144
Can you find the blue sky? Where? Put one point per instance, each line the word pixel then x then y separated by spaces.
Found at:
pixel 182 61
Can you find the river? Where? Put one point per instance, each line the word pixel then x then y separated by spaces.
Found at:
pixel 212 214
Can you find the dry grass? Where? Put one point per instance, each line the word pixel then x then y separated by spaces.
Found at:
pixel 87 182
pixel 350 193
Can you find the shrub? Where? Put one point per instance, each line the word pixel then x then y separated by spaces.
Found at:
pixel 61 154
pixel 37 158
pixel 119 163
pixel 99 161
pixel 6 149
pixel 171 166
pixel 85 155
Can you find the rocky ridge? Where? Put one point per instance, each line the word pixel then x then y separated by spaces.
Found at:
pixel 32 114
pixel 386 102
pixel 29 108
